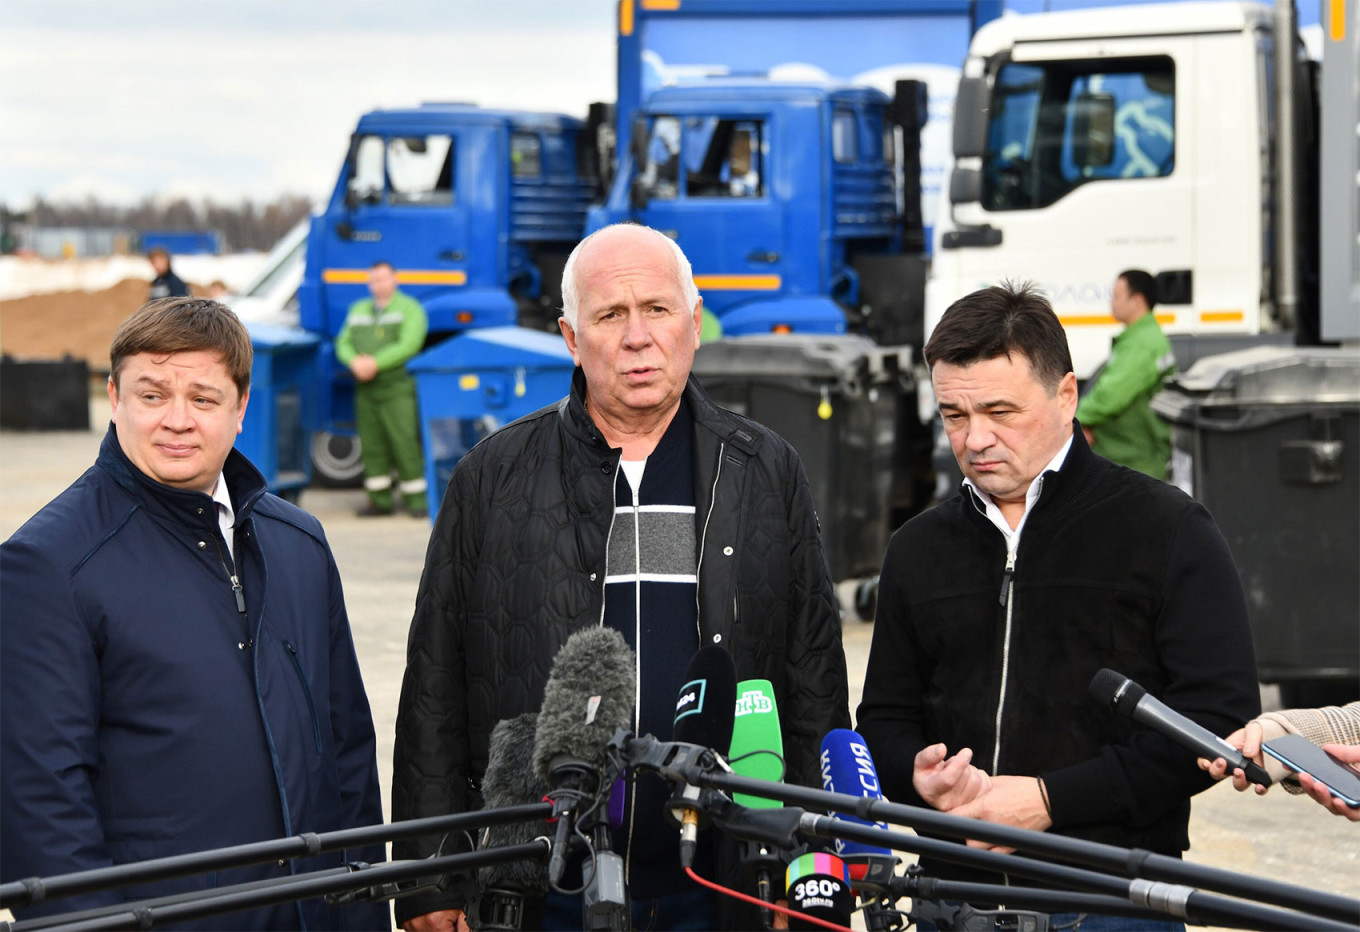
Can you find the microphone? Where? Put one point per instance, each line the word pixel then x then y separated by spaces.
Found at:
pixel 757 751
pixel 819 886
pixel 703 716
pixel 589 695
pixel 512 893
pixel 1127 698
pixel 848 767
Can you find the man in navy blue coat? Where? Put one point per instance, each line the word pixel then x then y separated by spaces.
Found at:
pixel 177 670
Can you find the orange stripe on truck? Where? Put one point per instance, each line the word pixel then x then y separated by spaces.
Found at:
pixel 737 282
pixel 1104 320
pixel 405 277
pixel 1221 317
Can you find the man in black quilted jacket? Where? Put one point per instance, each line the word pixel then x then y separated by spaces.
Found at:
pixel 635 502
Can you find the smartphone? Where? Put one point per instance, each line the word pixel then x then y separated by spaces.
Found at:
pixel 1303 756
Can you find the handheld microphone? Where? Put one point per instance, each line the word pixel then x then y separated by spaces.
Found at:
pixel 1127 698
pixel 819 886
pixel 848 767
pixel 511 893
pixel 589 695
pixel 757 749
pixel 703 716
pixel 757 752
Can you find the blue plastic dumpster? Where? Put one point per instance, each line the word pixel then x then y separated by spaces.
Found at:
pixel 275 435
pixel 478 381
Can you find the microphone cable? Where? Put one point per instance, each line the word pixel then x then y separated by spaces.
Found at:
pixel 753 901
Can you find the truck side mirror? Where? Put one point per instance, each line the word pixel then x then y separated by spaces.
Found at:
pixel 965 185
pixel 970 118
pixel 1093 130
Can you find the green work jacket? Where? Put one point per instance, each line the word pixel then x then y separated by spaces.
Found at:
pixel 1116 404
pixel 391 335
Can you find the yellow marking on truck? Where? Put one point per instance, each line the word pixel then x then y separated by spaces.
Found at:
pixel 404 277
pixel 661 4
pixel 1221 317
pixel 469 382
pixel 1104 320
pixel 626 17
pixel 1338 24
pixel 737 282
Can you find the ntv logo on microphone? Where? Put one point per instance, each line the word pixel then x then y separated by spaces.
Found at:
pixel 753 702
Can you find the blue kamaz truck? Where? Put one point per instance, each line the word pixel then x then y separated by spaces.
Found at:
pixel 476 209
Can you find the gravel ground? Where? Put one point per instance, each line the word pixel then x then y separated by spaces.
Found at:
pixel 1278 837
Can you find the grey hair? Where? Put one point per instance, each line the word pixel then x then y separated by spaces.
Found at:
pixel 571 301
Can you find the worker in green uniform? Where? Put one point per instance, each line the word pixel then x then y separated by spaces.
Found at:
pixel 380 334
pixel 1115 412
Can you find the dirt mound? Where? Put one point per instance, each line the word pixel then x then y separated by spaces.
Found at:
pixel 78 323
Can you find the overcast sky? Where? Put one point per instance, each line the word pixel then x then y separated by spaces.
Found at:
pixel 231 98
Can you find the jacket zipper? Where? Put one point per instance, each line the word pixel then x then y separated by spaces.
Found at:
pixel 637 667
pixel 604 576
pixel 703 539
pixel 238 591
pixel 306 690
pixel 1008 602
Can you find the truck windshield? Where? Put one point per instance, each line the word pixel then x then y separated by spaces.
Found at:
pixel 1055 126
pixel 721 157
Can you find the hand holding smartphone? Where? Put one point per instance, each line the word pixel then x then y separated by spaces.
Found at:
pixel 1303 756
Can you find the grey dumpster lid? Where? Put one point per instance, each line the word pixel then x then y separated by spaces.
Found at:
pixel 1274 375
pixel 829 357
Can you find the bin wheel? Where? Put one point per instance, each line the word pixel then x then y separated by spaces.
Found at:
pixel 866 598
pixel 337 460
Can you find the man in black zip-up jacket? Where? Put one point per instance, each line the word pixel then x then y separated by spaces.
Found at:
pixel 997 608
pixel 527 549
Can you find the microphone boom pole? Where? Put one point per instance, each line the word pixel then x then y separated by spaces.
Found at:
pixel 681 762
pixel 146 914
pixel 34 890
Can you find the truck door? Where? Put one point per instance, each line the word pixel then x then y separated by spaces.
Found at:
pixel 706 183
pixel 402 205
pixel 1089 171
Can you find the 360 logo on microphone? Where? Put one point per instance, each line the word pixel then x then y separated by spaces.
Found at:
pixel 816 880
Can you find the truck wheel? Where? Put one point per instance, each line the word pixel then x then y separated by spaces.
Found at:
pixel 337 460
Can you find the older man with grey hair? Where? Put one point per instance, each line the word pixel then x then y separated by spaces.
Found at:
pixel 637 503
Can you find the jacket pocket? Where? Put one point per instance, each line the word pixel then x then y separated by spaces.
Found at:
pixel 306 691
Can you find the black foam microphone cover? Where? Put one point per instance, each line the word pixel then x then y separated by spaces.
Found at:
pixel 706 705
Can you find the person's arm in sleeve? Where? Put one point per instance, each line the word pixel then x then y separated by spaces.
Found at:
pixel 1204 643
pixel 344 341
pixel 49 730
pixel 415 324
pixel 432 759
pixel 891 711
pixel 356 762
pixel 1131 372
pixel 818 694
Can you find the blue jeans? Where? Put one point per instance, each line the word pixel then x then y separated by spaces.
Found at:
pixel 695 909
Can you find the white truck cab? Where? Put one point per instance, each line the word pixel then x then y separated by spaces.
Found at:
pixel 1093 141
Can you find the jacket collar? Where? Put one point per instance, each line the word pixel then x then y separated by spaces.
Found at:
pixel 245 483
pixel 1060 489
pixel 706 413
